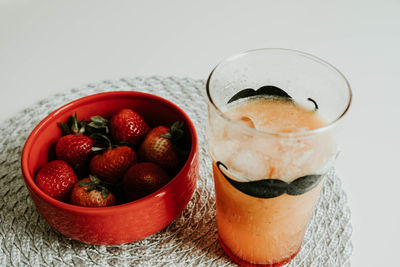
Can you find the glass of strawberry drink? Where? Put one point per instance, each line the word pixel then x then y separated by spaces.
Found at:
pixel 271 133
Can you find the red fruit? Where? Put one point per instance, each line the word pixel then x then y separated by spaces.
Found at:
pixel 143 179
pixel 158 147
pixel 128 126
pixel 111 165
pixel 74 149
pixel 90 192
pixel 56 179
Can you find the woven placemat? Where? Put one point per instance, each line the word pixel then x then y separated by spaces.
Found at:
pixel 191 240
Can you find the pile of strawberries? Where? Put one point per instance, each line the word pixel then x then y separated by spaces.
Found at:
pixel 107 162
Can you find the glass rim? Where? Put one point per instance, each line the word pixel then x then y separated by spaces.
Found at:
pixel 300 53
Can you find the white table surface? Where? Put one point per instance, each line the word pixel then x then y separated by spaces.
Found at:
pixel 50 46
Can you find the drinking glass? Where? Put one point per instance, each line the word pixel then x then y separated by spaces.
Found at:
pixel 267 182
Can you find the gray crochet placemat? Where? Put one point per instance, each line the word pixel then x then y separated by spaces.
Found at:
pixel 191 240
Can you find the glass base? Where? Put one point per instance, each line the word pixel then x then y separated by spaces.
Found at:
pixel 249 264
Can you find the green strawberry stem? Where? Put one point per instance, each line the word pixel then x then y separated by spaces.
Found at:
pixel 98 124
pixel 102 139
pixel 175 132
pixel 72 126
pixel 175 135
pixel 64 128
pixel 95 184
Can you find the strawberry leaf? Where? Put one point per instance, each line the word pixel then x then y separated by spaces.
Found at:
pixel 74 123
pixel 102 139
pixel 73 126
pixel 177 130
pixel 104 192
pixel 64 128
pixel 82 127
pixel 96 149
pixel 94 179
pixel 98 124
pixel 95 125
pixel 91 187
pixel 166 135
pixel 84 183
pixel 99 120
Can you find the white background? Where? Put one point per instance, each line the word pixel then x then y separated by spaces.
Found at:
pixel 50 46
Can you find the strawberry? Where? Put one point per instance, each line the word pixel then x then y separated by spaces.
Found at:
pixel 143 179
pixel 160 146
pixel 128 126
pixel 111 165
pixel 56 179
pixel 74 147
pixel 91 192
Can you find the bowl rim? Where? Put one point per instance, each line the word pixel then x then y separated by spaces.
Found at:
pixel 29 180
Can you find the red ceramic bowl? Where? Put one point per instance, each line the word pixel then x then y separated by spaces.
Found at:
pixel 123 223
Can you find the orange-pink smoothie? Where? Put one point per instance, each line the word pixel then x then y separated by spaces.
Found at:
pixel 267 230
